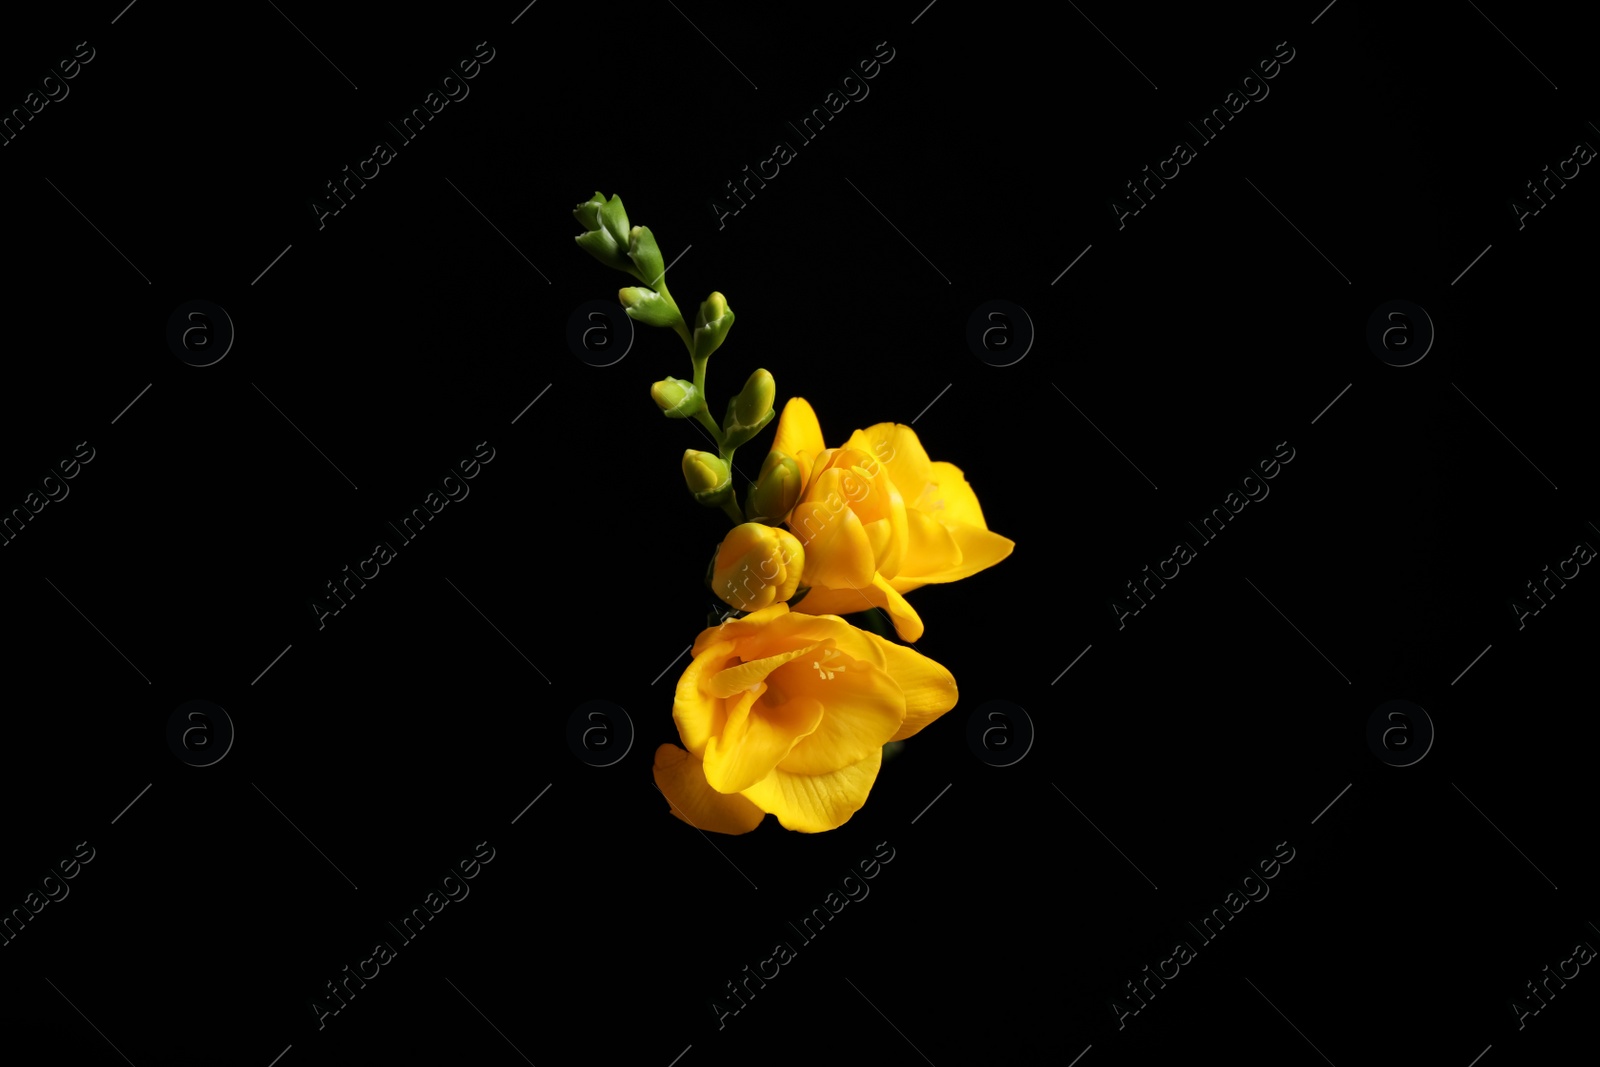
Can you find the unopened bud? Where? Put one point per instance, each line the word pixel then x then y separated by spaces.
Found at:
pixel 648 306
pixel 708 478
pixel 676 398
pixel 711 325
pixel 750 410
pixel 777 490
pixel 646 256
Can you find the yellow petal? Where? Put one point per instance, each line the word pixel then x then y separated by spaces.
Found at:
pixel 821 600
pixel 837 549
pixel 736 629
pixel 748 675
pixel 926 685
pixel 762 726
pixel 882 511
pixel 793 555
pixel 907 623
pixel 699 715
pixel 878 593
pixel 880 535
pixel 814 803
pixel 792 629
pixel 980 550
pixel 897 448
pixel 930 547
pixel 929 689
pixel 960 502
pixel 682 781
pixel 824 460
pixel 864 709
pixel 800 435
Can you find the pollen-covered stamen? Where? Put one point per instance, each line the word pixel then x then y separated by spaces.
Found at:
pixel 823 669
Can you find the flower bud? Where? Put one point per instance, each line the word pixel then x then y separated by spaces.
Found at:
pixel 711 325
pixel 750 410
pixel 648 306
pixel 707 477
pixel 615 221
pixel 598 243
pixel 712 308
pixel 757 566
pixel 601 241
pixel 777 489
pixel 754 402
pixel 588 212
pixel 676 398
pixel 646 255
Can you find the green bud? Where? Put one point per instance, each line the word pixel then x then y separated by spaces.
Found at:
pixel 708 478
pixel 776 492
pixel 604 241
pixel 598 243
pixel 750 410
pixel 676 398
pixel 615 221
pixel 754 402
pixel 588 212
pixel 734 435
pixel 712 308
pixel 647 306
pixel 646 255
pixel 711 325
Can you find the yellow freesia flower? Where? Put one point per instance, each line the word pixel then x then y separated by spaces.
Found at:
pixel 787 714
pixel 878 519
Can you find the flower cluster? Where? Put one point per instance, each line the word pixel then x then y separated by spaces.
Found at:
pixel 785 707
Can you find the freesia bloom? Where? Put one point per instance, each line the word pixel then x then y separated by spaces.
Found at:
pixel 878 518
pixel 787 714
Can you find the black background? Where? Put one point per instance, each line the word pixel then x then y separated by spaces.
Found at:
pixel 424 318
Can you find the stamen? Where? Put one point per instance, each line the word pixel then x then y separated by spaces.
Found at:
pixel 827 673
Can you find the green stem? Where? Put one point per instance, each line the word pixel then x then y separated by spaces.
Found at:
pixel 731 508
pixel 700 375
pixel 711 425
pixel 678 327
pixel 704 414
